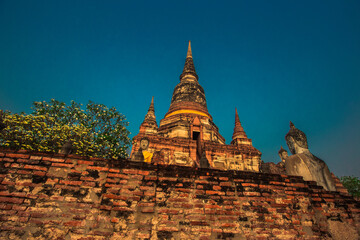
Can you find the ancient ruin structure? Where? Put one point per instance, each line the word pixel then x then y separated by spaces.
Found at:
pixel 188 136
pixel 304 163
pixel 57 196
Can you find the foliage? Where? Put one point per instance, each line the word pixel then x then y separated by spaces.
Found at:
pixel 352 184
pixel 96 131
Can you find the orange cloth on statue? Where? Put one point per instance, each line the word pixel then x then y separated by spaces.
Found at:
pixel 147 156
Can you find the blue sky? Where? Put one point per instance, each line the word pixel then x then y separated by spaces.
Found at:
pixel 275 61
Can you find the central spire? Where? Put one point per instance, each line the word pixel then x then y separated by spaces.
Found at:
pixel 188 96
pixel 189 73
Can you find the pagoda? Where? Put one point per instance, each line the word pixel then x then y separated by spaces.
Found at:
pixel 187 134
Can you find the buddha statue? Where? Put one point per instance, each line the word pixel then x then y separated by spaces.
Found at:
pixel 283 154
pixel 303 162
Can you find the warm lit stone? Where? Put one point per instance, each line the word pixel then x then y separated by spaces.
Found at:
pixel 187 134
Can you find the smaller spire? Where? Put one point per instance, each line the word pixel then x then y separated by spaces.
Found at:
pixel 151 107
pixel 150 116
pixel 238 129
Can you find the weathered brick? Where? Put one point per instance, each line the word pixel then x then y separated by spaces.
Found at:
pixel 149 193
pixel 151 178
pixel 65 165
pixel 108 185
pixel 98 168
pixel 18 194
pixel 73 223
pixel 17 155
pixel 69 160
pixel 187 205
pixel 79 172
pixel 130 171
pixel 36 157
pixel 145 173
pixel 85 162
pixel 23 172
pixel 51 181
pixel 115 220
pixel 199 223
pixel 249 185
pixel 178 200
pixel 5 206
pixel 171 211
pixel 35 167
pixel 18 208
pixel 89 184
pixel 103 207
pixel 183 190
pixel 6 182
pixel 196 217
pixel 58 160
pixel 210 192
pixel 227 225
pixel 223 178
pixel 146 204
pixel 201 182
pixel 7 160
pixel 252 194
pixel 28 161
pixel 138 177
pixel 210 206
pixel 227 184
pixel 15 165
pixel 143 235
pixel 118 175
pixel 200 192
pixel 170 179
pixel 216 187
pixel 168 229
pixel 71 182
pixel 89 179
pixel 147 210
pixel 113 196
pixel 146 188
pixel 39 173
pixel 122 209
pixel 11 200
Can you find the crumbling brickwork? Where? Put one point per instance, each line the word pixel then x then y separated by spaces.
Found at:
pixel 52 196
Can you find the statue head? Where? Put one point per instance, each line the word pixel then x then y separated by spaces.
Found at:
pixel 67 147
pixel 295 139
pixel 144 143
pixel 283 154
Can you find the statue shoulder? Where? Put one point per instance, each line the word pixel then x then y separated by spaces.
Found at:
pixel 292 159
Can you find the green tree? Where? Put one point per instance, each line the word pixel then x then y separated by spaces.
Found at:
pixel 96 131
pixel 352 184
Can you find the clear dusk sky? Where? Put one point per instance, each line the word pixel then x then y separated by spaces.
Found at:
pixel 275 61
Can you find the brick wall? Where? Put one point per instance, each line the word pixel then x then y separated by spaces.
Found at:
pixel 51 196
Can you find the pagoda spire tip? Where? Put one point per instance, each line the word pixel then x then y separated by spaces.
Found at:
pixel 189 53
pixel 189 72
